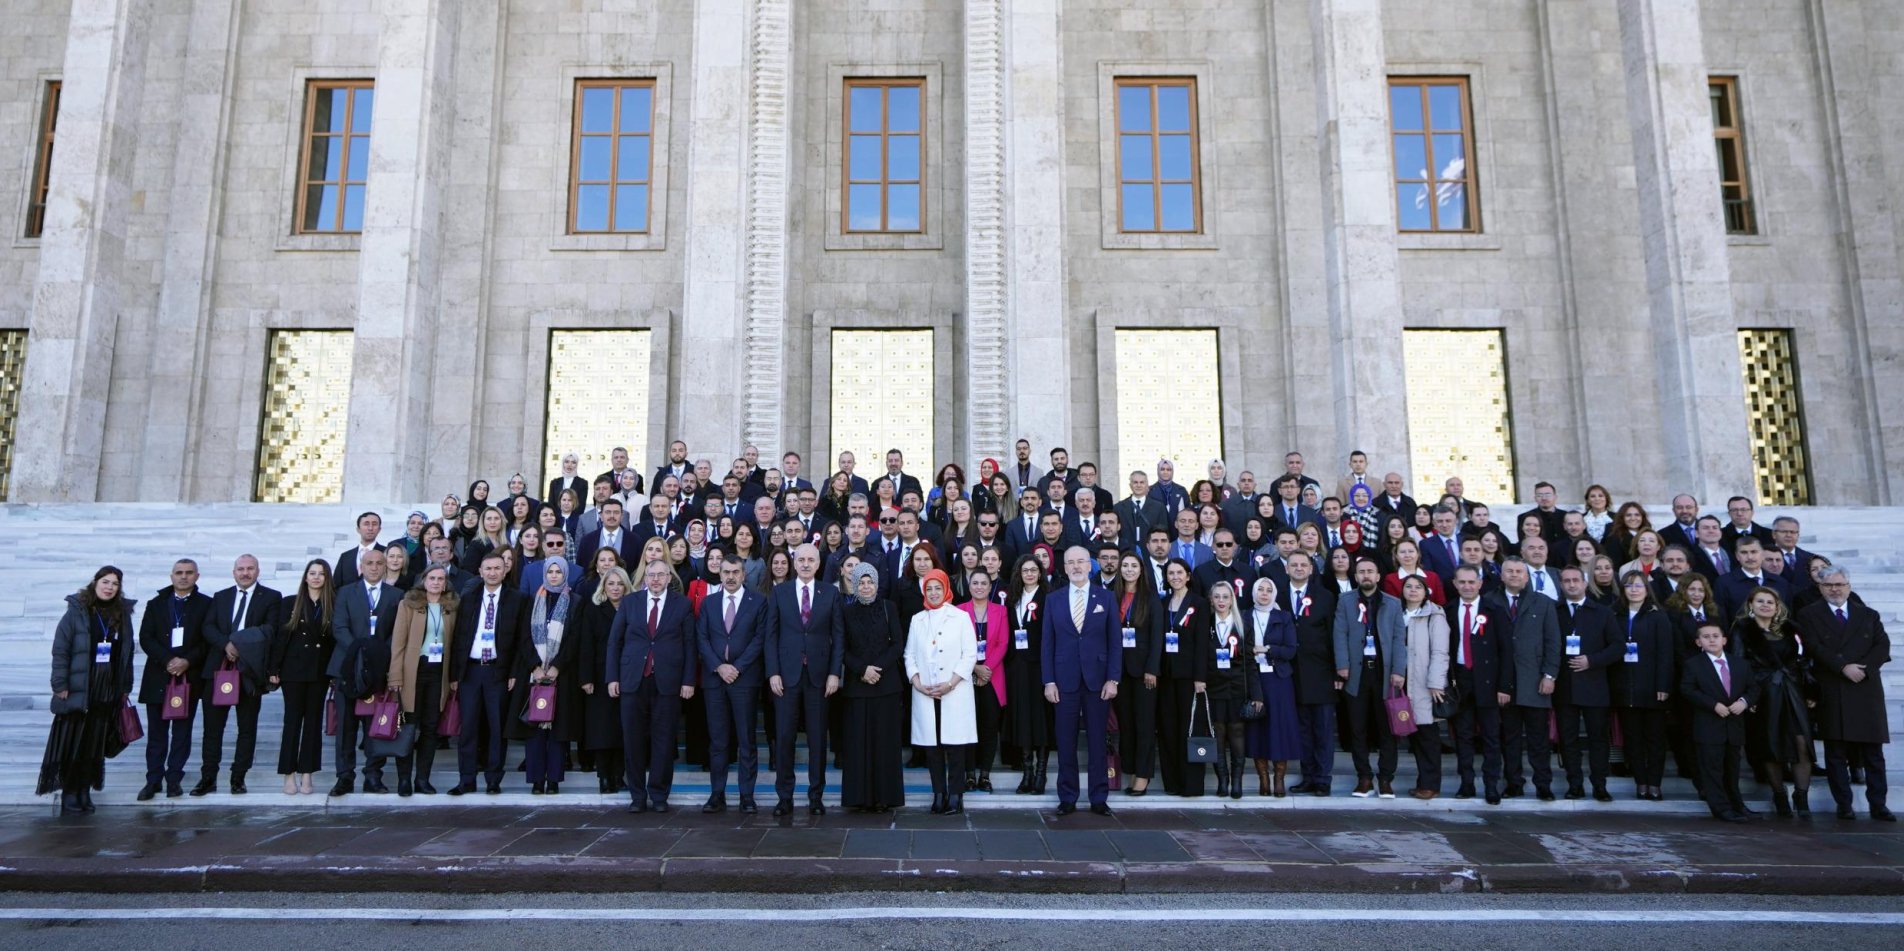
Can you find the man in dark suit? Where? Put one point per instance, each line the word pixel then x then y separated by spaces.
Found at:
pixel 369 524
pixel 806 644
pixel 1849 648
pixel 611 535
pixel 1021 528
pixel 854 482
pixel 1735 587
pixel 1393 499
pixel 491 626
pixel 1684 529
pixel 1289 511
pixel 172 637
pixel 1710 556
pixel 617 464
pixel 1441 552
pixel 571 480
pixel 857 543
pixel 1240 507
pixel 1079 663
pixel 731 637
pixel 896 474
pixel 1139 513
pixel 1719 689
pixel 677 466
pixel 1739 508
pixel 1535 625
pixel 361 610
pixel 649 654
pixel 1546 507
pixel 1061 469
pixel 1481 669
pixel 790 463
pixel 1592 645
pixel 245 604
pixel 1087 485
pixel 1797 561
pixel 1312 607
pixel 1228 567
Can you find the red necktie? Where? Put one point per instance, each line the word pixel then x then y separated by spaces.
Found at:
pixel 654 621
pixel 1467 636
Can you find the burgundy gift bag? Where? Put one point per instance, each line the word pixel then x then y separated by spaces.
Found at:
pixel 451 723
pixel 130 731
pixel 541 708
pixel 365 707
pixel 225 685
pixel 1401 715
pixel 332 719
pixel 383 716
pixel 178 700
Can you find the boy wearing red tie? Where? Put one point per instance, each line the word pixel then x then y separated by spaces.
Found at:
pixel 1719 689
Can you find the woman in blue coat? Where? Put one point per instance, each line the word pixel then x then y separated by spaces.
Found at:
pixel 1274 738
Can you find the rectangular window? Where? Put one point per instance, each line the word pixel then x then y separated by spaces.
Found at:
pixel 1776 416
pixel 583 365
pixel 1728 133
pixel 1158 187
pixel 336 156
pixel 1432 126
pixel 12 374
pixel 306 406
pixel 611 167
pixel 1458 423
pixel 885 155
pixel 883 398
pixel 1186 427
pixel 43 161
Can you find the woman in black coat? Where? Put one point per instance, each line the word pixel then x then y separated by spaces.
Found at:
pixel 871 779
pixel 91 677
pixel 1231 687
pixel 1028 718
pixel 301 648
pixel 600 732
pixel 1643 682
pixel 1778 729
pixel 1182 675
pixel 1142 624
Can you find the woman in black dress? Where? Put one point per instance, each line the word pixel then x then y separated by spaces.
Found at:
pixel 1229 688
pixel 601 714
pixel 871 779
pixel 1141 621
pixel 1181 679
pixel 1028 715
pixel 92 674
pixel 1778 729
pixel 301 647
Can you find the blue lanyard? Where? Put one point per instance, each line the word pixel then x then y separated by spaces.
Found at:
pixel 105 633
pixel 178 615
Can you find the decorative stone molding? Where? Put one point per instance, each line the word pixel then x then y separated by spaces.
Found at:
pixel 985 268
pixel 765 253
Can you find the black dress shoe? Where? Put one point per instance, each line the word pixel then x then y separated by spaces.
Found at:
pixel 535 789
pixel 1100 809
pixel 174 790
pixel 1465 792
pixel 817 809
pixel 1514 791
pixel 404 789
pixel 462 789
pixel 205 786
pixel 659 805
pixel 1320 791
pixel 344 787
pixel 147 791
pixel 955 804
pixel 1730 816
pixel 1067 808
pixel 938 804
pixel 1884 815
pixel 715 804
pixel 638 806
pixel 1847 814
pixel 1493 795
pixel 425 788
pixel 1546 795
pixel 1297 790
pixel 1133 791
pixel 783 808
pixel 1575 792
pixel 1601 795
pixel 238 784
pixel 747 807
pixel 495 789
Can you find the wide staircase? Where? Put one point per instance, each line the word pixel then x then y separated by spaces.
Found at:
pixel 57 547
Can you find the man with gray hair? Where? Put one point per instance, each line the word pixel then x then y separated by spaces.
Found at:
pixel 1534 624
pixel 1848 646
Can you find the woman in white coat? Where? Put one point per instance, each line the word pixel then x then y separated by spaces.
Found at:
pixel 940 651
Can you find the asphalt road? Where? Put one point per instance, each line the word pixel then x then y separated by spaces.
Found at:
pixel 911 922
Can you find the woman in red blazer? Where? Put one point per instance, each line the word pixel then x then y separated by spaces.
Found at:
pixel 990 623
pixel 1407 564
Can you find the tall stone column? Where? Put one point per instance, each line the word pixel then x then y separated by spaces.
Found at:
pixel 769 80
pixel 1702 415
pixel 399 256
pixel 81 287
pixel 180 333
pixel 1037 318
pixel 987 433
pixel 1358 230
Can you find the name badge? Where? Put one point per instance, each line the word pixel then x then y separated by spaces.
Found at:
pixel 981 649
pixel 1130 637
pixel 1632 652
pixel 178 637
pixel 1264 664
pixel 1573 645
pixel 486 644
pixel 1223 658
pixel 1368 645
pixel 434 652
pixel 1170 642
pixel 102 652
pixel 1021 639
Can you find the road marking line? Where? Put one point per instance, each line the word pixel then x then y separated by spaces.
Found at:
pixel 1287 915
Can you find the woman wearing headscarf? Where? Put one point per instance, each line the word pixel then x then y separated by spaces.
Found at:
pixel 1362 511
pixel 940 651
pixel 425 625
pixel 413 532
pixel 1274 738
pixel 551 652
pixel 871 779
pixel 92 674
pixel 990 637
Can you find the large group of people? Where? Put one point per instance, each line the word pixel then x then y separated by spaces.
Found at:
pixel 997 622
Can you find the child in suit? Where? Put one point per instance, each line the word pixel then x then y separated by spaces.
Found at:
pixel 1719 688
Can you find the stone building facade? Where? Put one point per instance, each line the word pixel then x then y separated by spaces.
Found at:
pixel 170 246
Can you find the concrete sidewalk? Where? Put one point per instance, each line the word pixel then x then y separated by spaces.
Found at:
pixel 483 848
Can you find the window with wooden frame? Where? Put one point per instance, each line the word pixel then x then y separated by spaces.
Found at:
pixel 1431 123
pixel 43 161
pixel 336 160
pixel 885 156
pixel 1159 189
pixel 1728 133
pixel 611 163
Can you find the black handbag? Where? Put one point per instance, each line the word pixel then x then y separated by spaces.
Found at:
pixel 1450 702
pixel 397 746
pixel 1202 749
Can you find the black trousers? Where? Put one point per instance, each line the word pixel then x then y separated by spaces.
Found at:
pixel 648 720
pixel 1595 744
pixel 1317 722
pixel 1136 707
pixel 800 697
pixel 1425 743
pixel 212 749
pixel 1174 697
pixel 985 701
pixel 1475 720
pixel 1840 756
pixel 1719 777
pixel 482 695
pixel 168 743
pixel 1644 729
pixel 730 728
pixel 428 716
pixel 946 763
pixel 1525 728
pixel 1368 720
pixel 301 742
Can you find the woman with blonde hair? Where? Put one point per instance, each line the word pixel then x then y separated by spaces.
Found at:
pixel 601 714
pixel 426 622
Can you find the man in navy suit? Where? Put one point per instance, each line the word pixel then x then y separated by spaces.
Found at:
pixel 1481 669
pixel 491 626
pixel 1441 552
pixel 790 472
pixel 1290 513
pixel 1021 528
pixel 1736 586
pixel 648 655
pixel 346 572
pixel 367 608
pixel 1797 561
pixel 677 466
pixel 806 650
pixel 245 604
pixel 1739 508
pixel 1081 638
pixel 1684 529
pixel 611 534
pixel 658 523
pixel 731 636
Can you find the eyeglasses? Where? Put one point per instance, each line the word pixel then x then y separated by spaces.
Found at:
pixel 1225 545
pixel 987 524
pixel 887 521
